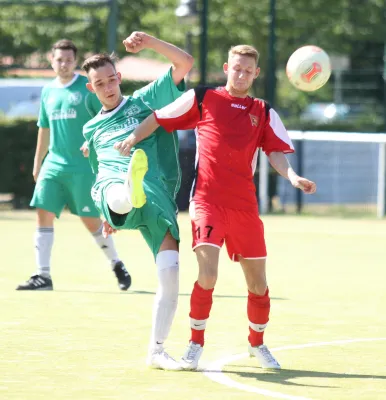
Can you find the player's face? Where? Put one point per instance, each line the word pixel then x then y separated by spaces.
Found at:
pixel 63 63
pixel 104 82
pixel 241 71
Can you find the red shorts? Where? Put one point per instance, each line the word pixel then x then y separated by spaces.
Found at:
pixel 242 231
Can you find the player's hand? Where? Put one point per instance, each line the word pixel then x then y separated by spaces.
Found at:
pixel 84 149
pixel 36 171
pixel 107 229
pixel 125 147
pixel 305 185
pixel 137 41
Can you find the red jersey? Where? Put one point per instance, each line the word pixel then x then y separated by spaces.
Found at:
pixel 229 132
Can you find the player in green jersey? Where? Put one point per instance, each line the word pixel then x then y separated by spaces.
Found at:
pixel 65 176
pixel 138 191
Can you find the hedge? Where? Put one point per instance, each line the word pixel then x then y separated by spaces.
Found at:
pixel 17 150
pixel 18 143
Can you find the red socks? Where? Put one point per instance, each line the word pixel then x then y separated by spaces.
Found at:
pixel 258 315
pixel 200 304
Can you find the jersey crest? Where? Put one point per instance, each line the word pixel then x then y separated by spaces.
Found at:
pixel 254 120
pixel 75 98
pixel 132 110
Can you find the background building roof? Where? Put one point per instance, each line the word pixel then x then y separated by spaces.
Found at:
pixel 132 68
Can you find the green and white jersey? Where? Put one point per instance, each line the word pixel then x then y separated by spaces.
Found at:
pixel 64 109
pixel 161 148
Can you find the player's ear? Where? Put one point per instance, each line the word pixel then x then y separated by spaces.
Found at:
pixel 89 87
pixel 225 68
pixel 51 60
pixel 257 73
pixel 119 77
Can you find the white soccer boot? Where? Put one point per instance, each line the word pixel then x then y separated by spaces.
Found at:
pixel 134 180
pixel 192 355
pixel 159 359
pixel 264 357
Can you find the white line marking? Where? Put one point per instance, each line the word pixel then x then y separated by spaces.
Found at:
pixel 214 370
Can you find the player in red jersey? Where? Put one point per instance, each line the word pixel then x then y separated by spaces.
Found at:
pixel 231 127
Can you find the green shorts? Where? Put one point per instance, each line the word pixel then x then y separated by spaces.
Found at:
pixel 153 220
pixel 54 190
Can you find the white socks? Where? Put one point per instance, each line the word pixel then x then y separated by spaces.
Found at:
pixel 44 239
pixel 117 199
pixel 107 246
pixel 166 299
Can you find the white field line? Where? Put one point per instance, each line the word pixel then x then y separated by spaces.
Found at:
pixel 214 370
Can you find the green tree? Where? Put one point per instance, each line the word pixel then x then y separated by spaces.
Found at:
pixel 339 26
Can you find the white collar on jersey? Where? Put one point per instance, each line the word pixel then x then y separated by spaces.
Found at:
pixel 60 85
pixel 101 116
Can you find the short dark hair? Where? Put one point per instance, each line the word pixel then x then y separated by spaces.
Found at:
pixel 99 60
pixel 64 44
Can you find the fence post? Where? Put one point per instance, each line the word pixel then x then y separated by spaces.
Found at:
pixel 299 167
pixel 381 204
pixel 112 25
pixel 263 183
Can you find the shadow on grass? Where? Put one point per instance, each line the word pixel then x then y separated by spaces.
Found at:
pixel 221 296
pixel 285 376
pixel 19 217
pixel 145 292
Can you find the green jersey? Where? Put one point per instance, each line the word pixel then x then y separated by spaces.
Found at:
pixel 161 148
pixel 64 109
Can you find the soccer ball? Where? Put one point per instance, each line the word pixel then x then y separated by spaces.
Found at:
pixel 309 68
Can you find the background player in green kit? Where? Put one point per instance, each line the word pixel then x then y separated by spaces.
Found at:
pixel 65 177
pixel 138 191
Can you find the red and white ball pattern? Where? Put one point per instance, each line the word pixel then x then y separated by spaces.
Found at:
pixel 309 68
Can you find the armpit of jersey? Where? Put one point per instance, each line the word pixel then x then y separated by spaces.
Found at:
pixel 276 137
pixel 183 113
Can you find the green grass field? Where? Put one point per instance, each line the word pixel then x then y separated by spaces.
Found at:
pixel 86 340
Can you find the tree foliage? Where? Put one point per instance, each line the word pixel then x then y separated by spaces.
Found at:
pixel 339 26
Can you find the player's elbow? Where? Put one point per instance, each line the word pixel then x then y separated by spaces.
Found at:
pixel 186 64
pixel 188 61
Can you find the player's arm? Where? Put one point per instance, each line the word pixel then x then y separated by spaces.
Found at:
pixel 276 143
pixel 183 113
pixel 42 145
pixel 84 149
pixel 107 229
pixel 182 62
pixel 43 140
pixel 141 132
pixel 281 164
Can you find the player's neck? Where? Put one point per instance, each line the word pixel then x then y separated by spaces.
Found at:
pixel 235 93
pixel 110 107
pixel 65 80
